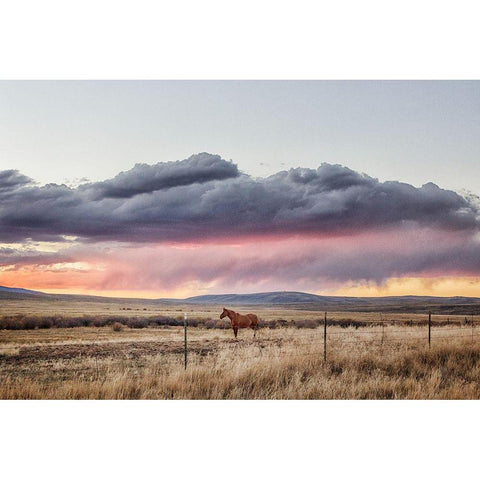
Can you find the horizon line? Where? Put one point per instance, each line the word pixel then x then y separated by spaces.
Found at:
pixel 226 294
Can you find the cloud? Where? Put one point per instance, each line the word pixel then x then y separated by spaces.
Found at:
pixel 206 198
pixel 11 180
pixel 144 178
pixel 259 264
pixel 14 258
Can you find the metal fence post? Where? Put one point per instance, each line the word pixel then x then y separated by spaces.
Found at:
pixel 429 328
pixel 325 338
pixel 185 339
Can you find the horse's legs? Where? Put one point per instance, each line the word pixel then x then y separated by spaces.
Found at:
pixel 235 330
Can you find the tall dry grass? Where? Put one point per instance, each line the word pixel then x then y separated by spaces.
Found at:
pixel 281 364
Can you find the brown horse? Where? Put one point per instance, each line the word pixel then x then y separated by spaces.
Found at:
pixel 241 321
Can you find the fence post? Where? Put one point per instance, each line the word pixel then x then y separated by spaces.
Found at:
pixel 429 328
pixel 325 338
pixel 472 328
pixel 383 331
pixel 185 339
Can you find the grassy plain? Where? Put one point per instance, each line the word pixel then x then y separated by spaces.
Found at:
pixel 373 361
pixel 144 308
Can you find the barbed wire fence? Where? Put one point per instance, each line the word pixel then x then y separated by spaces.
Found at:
pixel 325 340
pixel 322 344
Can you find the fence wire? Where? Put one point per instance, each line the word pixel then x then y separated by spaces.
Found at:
pixel 334 341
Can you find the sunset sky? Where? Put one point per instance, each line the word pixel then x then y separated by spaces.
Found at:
pixel 173 189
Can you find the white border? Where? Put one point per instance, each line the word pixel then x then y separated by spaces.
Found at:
pixel 240 40
pixel 251 39
pixel 235 439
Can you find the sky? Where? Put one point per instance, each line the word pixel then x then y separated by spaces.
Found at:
pixel 180 188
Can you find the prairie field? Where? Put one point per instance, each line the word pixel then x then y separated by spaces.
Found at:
pixel 368 357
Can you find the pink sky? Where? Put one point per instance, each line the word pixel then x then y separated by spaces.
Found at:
pixel 386 262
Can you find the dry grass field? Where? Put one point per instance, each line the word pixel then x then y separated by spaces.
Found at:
pixel 369 362
pixel 133 308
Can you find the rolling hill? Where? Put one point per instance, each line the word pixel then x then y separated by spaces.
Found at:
pixel 286 298
pixel 258 298
pixel 292 299
pixel 7 292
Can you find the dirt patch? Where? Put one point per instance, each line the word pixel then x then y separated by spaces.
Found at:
pixel 129 350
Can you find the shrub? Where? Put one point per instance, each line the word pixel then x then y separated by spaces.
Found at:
pixel 345 323
pixel 61 322
pixel 45 323
pixel 99 322
pixel 306 324
pixel 88 321
pixel 137 323
pixel 29 323
pixel 173 322
pixel 117 327
pixel 14 323
pixel 223 324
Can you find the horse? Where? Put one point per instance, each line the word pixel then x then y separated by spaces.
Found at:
pixel 241 321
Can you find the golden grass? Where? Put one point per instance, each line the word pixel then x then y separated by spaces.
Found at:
pixel 134 308
pixel 90 363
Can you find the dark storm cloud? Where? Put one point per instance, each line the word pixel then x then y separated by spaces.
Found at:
pixel 149 178
pixel 205 197
pixel 11 180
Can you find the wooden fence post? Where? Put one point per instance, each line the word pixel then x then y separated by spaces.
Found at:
pixel 429 328
pixel 185 339
pixel 325 338
pixel 383 331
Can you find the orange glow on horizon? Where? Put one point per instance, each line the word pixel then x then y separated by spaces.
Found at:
pixel 191 269
pixel 441 287
pixel 422 286
pixel 140 294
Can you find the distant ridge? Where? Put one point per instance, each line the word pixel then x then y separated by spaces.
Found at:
pixel 258 298
pixel 20 290
pixel 288 298
pixel 295 300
